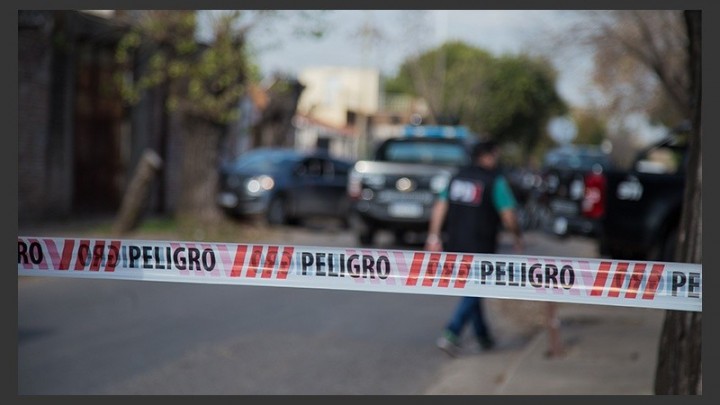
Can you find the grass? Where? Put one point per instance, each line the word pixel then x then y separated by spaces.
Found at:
pixel 152 228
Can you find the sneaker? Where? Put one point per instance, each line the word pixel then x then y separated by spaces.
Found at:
pixel 446 344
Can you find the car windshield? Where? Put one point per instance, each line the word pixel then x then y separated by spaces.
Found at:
pixel 425 152
pixel 264 160
pixel 576 159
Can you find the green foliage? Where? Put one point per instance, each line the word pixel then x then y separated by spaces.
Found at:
pixel 204 80
pixel 592 128
pixel 521 99
pixel 510 97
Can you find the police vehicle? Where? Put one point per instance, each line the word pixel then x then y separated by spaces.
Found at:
pixel 395 191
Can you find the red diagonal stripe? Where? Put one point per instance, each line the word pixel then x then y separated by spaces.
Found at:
pixel 415 268
pixel 653 281
pixel 463 271
pixel 447 270
pixel 601 278
pixel 431 269
pixel 55 260
pixel 618 279
pixel 635 280
pixel 66 254
pixel 255 257
pixel 270 261
pixel 239 261
pixel 285 261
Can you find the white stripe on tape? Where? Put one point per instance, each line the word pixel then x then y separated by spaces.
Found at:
pixel 661 285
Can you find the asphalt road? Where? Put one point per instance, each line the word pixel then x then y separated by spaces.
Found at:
pixel 79 336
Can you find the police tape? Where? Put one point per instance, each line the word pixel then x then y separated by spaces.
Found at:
pixel 660 285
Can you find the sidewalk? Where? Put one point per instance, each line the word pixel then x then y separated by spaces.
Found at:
pixel 610 350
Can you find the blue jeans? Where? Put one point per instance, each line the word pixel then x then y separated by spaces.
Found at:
pixel 469 310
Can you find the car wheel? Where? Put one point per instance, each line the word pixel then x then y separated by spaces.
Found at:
pixel 345 222
pixel 664 249
pixel 277 214
pixel 399 237
pixel 366 236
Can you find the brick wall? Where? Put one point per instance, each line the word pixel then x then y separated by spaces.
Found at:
pixel 34 59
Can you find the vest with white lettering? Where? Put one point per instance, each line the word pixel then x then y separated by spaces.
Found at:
pixel 472 221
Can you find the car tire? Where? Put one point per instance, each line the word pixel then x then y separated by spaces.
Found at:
pixel 400 236
pixel 366 237
pixel 345 223
pixel 277 213
pixel 664 249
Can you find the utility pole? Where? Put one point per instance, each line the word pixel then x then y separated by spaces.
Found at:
pixel 369 35
pixel 441 33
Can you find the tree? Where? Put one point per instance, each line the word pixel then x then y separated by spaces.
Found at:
pixel 591 127
pixel 640 61
pixel 521 99
pixel 679 369
pixel 437 75
pixel 203 81
pixel 650 61
pixel 510 97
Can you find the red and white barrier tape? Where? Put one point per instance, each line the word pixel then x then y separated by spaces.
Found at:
pixel 661 285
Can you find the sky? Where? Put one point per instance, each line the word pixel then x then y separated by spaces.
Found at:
pixel 497 31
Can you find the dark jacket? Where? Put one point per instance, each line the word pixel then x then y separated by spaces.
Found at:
pixel 472 221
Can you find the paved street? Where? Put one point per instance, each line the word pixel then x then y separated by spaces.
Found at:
pixel 79 336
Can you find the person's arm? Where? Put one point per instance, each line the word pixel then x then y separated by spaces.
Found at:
pixel 506 205
pixel 510 222
pixel 437 217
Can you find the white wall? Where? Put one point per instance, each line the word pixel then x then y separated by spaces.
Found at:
pixel 331 91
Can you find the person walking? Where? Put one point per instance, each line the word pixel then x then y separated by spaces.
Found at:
pixel 474 206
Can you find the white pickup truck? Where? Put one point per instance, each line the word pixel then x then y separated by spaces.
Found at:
pixel 395 190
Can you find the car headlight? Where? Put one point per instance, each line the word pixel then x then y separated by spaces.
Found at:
pixel 259 184
pixel 438 183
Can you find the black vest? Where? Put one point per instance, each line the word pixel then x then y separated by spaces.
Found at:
pixel 472 221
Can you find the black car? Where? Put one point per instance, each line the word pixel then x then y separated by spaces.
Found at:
pixel 644 203
pixel 285 185
pixel 573 188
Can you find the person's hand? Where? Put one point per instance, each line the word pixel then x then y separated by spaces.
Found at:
pixel 433 243
pixel 519 245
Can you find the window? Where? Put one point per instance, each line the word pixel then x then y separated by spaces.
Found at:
pixel 425 152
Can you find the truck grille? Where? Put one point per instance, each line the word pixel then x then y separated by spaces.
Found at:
pixel 423 197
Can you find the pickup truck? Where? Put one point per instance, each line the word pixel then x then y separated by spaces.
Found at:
pixel 643 205
pixel 395 190
pixel 572 189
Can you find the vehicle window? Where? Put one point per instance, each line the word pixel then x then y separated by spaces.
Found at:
pixel 668 157
pixel 263 160
pixel 663 159
pixel 576 160
pixel 328 169
pixel 341 168
pixel 425 152
pixel 311 167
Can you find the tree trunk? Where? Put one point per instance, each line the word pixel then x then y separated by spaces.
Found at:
pixel 679 368
pixel 197 211
pixel 137 193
